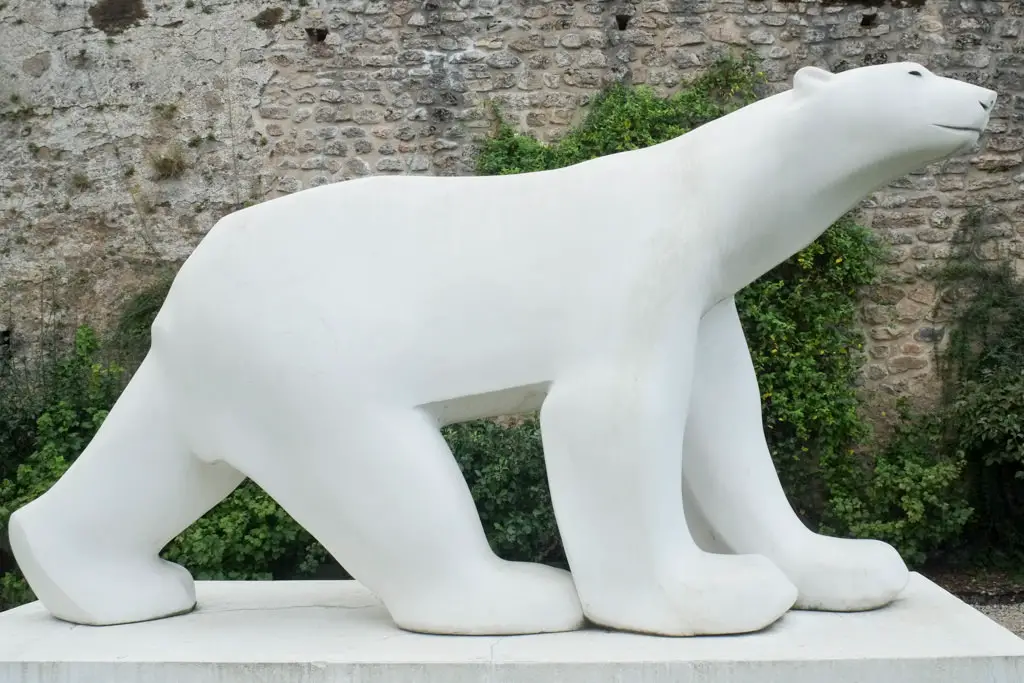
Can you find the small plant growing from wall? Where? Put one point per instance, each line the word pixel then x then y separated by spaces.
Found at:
pixel 116 16
pixel 168 163
pixel 268 18
pixel 18 111
pixel 166 111
pixel 80 182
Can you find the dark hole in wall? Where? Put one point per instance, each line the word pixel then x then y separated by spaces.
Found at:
pixel 868 20
pixel 5 346
pixel 316 35
pixel 622 21
pixel 115 16
pixel 442 115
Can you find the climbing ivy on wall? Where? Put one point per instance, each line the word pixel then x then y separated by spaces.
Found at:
pixel 623 118
pixel 981 409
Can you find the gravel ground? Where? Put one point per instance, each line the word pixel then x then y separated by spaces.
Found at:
pixel 1010 617
pixel 997 594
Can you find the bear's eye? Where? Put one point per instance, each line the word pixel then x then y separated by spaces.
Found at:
pixel 915 73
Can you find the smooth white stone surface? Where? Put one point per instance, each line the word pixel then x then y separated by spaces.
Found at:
pixel 320 632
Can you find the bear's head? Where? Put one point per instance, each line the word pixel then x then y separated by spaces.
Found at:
pixel 893 112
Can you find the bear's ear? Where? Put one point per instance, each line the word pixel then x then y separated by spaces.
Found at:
pixel 809 79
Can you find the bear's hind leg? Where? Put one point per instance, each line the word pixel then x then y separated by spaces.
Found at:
pixel 89 547
pixel 379 488
pixel 733 490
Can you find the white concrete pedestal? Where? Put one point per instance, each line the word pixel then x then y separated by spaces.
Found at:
pixel 334 631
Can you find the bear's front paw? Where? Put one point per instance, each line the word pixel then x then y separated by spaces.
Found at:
pixel 843 575
pixel 701 594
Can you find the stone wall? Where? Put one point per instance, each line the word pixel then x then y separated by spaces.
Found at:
pixel 129 126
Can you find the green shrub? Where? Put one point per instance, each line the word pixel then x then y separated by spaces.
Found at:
pixel 950 484
pixel 912 498
pixel 67 402
pixel 21 403
pixel 988 414
pixel 504 467
pixel 60 397
pixel 250 537
pixel 131 336
pixel 800 324
pixel 983 398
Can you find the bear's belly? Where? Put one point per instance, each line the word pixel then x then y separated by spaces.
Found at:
pixel 460 361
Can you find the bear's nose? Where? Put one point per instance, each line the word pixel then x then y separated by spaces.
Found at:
pixel 987 103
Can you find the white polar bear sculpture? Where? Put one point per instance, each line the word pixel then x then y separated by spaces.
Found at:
pixel 317 342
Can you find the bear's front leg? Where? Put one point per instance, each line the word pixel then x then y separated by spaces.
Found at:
pixel 733 494
pixel 612 434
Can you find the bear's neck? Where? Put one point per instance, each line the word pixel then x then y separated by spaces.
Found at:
pixel 790 179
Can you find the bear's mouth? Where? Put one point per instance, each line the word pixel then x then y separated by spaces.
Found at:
pixel 965 129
